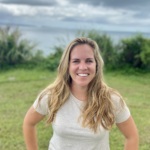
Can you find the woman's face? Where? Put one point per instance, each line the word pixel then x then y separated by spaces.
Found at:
pixel 82 65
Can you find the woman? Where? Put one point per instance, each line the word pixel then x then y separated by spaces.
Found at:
pixel 79 105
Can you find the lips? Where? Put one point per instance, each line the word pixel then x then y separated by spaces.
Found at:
pixel 82 74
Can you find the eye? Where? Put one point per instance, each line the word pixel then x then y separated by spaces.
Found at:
pixel 89 60
pixel 75 61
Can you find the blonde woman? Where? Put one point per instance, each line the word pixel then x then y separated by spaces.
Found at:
pixel 79 104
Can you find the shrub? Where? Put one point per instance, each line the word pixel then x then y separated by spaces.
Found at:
pixel 51 62
pixel 135 52
pixel 13 49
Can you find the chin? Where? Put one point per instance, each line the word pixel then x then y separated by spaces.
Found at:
pixel 83 84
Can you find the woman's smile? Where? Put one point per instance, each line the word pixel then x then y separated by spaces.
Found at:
pixel 83 74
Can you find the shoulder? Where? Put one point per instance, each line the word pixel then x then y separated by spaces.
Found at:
pixel 121 110
pixel 41 104
pixel 117 100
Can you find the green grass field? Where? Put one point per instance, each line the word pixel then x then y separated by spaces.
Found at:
pixel 19 88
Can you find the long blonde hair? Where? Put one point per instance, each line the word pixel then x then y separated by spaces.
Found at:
pixel 99 109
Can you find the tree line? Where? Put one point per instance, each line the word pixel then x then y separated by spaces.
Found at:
pixel 15 51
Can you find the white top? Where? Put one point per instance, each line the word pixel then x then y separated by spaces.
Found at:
pixel 68 134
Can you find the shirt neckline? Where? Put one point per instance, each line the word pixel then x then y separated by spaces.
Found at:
pixel 77 100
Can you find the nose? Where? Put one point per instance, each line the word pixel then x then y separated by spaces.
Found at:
pixel 82 66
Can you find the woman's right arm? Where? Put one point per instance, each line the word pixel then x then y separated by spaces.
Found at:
pixel 31 119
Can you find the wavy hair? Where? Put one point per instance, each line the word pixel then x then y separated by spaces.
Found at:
pixel 99 109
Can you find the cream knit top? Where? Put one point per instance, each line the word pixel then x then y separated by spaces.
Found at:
pixel 68 134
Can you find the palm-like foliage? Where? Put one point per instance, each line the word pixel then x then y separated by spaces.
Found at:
pixel 13 48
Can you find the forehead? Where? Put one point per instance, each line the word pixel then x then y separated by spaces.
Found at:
pixel 82 51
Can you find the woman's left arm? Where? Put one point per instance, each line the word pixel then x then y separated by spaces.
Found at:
pixel 129 130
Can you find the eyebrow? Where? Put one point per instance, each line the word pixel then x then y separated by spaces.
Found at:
pixel 78 58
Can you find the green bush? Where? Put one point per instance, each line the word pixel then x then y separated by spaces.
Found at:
pixel 145 53
pixel 51 62
pixel 130 54
pixel 35 62
pixel 135 52
pixel 13 49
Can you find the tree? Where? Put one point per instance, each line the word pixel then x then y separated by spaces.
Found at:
pixel 135 52
pixel 13 48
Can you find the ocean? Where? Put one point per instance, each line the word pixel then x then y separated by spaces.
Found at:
pixel 46 38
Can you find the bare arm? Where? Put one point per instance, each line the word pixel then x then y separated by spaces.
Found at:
pixel 31 119
pixel 129 130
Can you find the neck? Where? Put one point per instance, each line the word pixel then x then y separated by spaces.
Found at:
pixel 79 93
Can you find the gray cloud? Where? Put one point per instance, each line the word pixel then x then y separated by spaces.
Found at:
pixel 140 7
pixel 114 3
pixel 41 12
pixel 30 2
pixel 127 4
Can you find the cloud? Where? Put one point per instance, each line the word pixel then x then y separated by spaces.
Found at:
pixel 114 3
pixel 30 2
pixel 42 12
pixel 141 8
pixel 81 10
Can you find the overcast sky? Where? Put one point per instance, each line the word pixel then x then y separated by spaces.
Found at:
pixel 109 14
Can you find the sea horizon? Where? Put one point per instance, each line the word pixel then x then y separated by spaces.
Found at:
pixel 46 38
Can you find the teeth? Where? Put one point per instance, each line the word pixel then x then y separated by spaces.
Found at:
pixel 83 75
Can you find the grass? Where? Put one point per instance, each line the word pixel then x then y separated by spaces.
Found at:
pixel 135 90
pixel 19 88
